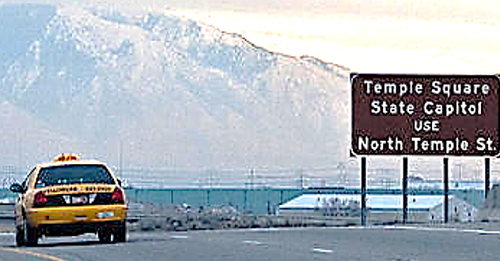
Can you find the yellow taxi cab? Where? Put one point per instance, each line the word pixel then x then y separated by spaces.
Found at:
pixel 69 197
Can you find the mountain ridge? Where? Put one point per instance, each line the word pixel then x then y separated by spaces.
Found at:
pixel 172 92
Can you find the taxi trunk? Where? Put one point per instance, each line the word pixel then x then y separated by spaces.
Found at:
pixel 76 209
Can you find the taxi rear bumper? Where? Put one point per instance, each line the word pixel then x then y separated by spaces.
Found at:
pixel 92 214
pixel 77 228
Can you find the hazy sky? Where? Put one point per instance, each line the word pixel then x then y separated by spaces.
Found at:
pixel 454 36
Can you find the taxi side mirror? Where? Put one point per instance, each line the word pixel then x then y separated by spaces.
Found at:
pixel 16 188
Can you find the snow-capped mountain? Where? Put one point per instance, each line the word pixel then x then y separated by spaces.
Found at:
pixel 157 90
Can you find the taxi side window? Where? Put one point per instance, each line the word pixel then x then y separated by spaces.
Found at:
pixel 28 180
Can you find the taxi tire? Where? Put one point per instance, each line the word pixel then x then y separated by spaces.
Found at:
pixel 121 233
pixel 20 236
pixel 30 234
pixel 104 235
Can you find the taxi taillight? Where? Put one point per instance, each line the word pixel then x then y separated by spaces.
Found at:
pixel 117 197
pixel 40 199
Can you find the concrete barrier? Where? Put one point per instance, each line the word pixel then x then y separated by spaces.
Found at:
pixel 145 218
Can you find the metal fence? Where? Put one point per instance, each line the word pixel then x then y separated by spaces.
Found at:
pixel 388 176
pixel 263 190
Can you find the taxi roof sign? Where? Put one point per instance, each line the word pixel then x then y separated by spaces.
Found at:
pixel 66 157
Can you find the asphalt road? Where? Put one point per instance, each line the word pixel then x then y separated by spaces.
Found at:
pixel 273 244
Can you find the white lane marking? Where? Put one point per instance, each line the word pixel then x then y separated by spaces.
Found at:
pixel 246 230
pixel 7 234
pixel 479 231
pixel 252 242
pixel 470 230
pixel 418 228
pixel 485 232
pixel 320 250
pixel 179 237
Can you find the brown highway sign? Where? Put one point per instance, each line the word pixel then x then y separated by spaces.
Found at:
pixel 455 115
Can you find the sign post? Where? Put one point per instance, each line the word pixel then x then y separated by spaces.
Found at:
pixel 486 177
pixel 363 191
pixel 405 186
pixel 425 115
pixel 445 189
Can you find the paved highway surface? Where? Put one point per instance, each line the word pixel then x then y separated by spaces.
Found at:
pixel 273 244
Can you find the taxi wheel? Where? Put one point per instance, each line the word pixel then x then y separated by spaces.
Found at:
pixel 105 235
pixel 121 232
pixel 20 236
pixel 30 234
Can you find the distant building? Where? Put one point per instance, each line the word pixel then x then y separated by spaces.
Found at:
pixel 416 178
pixel 384 208
pixel 458 211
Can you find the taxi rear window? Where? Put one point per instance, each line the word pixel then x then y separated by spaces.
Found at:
pixel 77 174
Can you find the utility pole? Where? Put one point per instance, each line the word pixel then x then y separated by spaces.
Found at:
pixel 301 179
pixel 342 174
pixel 20 149
pixel 120 159
pixel 460 173
pixel 210 180
pixel 251 178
